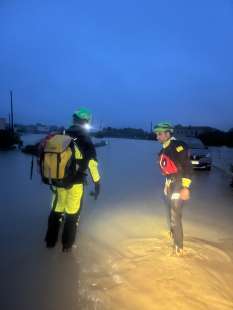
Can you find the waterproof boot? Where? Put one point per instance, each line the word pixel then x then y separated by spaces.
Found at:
pixel 69 231
pixel 54 222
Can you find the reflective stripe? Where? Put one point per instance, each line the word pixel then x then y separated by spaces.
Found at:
pixel 175 196
pixel 93 167
pixel 179 148
pixel 78 154
pixel 167 143
pixel 68 200
pixel 186 182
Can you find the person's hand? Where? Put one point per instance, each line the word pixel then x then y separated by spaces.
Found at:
pixel 165 190
pixel 185 194
pixel 96 192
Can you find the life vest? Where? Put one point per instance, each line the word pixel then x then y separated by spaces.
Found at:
pixel 167 165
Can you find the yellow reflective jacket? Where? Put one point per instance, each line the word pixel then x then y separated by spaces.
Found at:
pixel 85 154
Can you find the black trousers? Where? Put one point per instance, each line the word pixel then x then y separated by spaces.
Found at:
pixel 70 226
pixel 69 230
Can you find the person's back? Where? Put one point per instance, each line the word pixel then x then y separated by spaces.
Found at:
pixel 87 148
pixel 67 201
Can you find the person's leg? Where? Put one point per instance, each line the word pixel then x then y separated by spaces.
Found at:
pixel 54 220
pixel 167 201
pixel 176 223
pixel 72 210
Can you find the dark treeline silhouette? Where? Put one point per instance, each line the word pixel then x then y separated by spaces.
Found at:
pixel 217 138
pixel 127 133
pixel 211 138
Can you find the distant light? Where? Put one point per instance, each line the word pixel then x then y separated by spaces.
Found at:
pixel 87 126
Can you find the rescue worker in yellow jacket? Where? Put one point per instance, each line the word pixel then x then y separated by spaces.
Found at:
pixel 67 201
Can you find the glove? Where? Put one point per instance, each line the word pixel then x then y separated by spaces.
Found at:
pixel 185 194
pixel 96 192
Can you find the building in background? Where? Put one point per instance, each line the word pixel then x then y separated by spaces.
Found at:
pixel 40 128
pixel 191 131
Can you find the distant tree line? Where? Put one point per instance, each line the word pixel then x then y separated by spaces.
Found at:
pixel 211 138
pixel 217 138
pixel 127 133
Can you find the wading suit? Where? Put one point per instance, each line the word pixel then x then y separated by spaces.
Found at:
pixel 175 165
pixel 67 202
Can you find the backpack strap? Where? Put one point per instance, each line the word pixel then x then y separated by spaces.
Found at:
pixel 58 163
pixel 72 147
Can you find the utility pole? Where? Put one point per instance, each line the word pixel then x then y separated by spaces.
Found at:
pixel 12 117
pixel 9 122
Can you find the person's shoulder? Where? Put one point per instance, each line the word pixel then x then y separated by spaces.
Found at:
pixel 179 142
pixel 74 132
pixel 81 136
pixel 70 131
pixel 87 139
pixel 179 145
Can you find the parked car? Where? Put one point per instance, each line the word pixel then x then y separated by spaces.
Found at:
pixel 231 171
pixel 200 156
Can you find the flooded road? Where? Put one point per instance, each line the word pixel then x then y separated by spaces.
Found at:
pixel 122 256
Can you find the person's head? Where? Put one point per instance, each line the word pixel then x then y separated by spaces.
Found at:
pixel 163 131
pixel 82 117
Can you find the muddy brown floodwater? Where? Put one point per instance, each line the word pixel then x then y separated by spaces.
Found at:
pixel 122 256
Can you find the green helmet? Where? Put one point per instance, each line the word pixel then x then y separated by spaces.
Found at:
pixel 83 114
pixel 163 127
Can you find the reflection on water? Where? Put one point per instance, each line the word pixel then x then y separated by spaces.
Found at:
pixel 122 257
pixel 32 138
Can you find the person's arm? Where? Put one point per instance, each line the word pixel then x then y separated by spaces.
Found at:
pixel 182 155
pixel 92 163
pixel 94 171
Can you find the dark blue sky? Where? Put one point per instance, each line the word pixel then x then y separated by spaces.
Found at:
pixel 130 62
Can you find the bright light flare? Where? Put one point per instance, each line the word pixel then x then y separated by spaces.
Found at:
pixel 87 126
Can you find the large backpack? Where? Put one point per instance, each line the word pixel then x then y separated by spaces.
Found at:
pixel 58 164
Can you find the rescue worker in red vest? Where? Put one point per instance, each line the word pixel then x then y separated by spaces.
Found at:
pixel 67 202
pixel 175 166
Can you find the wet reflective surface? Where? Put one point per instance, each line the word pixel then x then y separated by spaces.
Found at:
pixel 122 258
